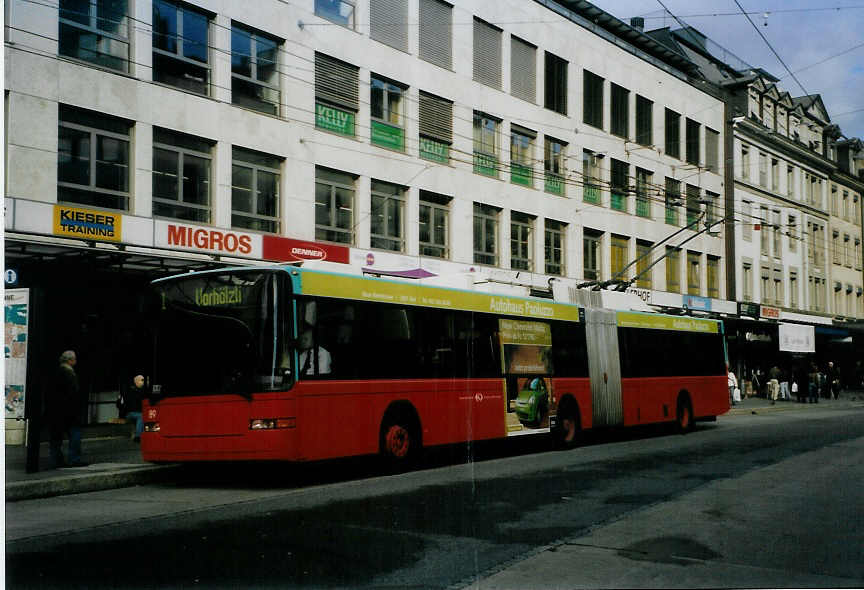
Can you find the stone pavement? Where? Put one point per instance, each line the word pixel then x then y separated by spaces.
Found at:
pixel 115 460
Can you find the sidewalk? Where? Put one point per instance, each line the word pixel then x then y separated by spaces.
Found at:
pixel 115 460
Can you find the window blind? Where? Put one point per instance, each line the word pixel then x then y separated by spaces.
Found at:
pixel 436 33
pixel 389 23
pixel 487 54
pixel 523 70
pixel 436 117
pixel 336 81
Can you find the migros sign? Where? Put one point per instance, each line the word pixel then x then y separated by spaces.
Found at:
pixel 207 239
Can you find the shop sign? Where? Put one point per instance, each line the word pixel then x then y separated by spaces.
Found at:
pixel 521 174
pixel 629 319
pixel 333 119
pixel 696 302
pixel 749 309
pixel 797 338
pixel 209 240
pixel 485 164
pixel 288 250
pixel 73 222
pixel 388 136
pixel 436 151
pixel 771 313
pixel 757 337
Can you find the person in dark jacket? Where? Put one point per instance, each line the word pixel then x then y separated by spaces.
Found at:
pixel 130 404
pixel 64 412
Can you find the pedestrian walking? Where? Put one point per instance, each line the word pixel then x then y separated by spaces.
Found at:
pixel 833 376
pixel 63 410
pixel 813 385
pixel 129 404
pixel 733 385
pixel 785 376
pixel 774 383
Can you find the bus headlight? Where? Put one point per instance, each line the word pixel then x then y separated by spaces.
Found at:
pixel 272 423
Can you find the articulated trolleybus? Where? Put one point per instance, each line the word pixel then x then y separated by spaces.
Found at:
pixel 281 363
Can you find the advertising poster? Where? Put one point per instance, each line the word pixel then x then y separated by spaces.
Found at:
pixel 526 357
pixel 17 304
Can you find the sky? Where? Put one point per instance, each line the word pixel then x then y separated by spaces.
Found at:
pixel 820 41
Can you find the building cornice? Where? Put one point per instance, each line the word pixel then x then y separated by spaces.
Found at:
pixel 785 200
pixel 786 146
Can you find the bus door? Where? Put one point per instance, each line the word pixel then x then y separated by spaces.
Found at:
pixel 604 366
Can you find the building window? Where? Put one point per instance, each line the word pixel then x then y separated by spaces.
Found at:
pixel 673 134
pixel 334 206
pixel 592 93
pixel 712 150
pixel 555 95
pixel 790 180
pixel 644 178
pixel 436 33
pixel 712 210
pixel 644 121
pixel 95 31
pixel 775 175
pixel 835 247
pixel 180 47
pixel 745 161
pixel 487 54
pixel 522 155
pixel 747 281
pixel 387 219
pixel 672 198
pixel 845 210
pixel 592 242
pixel 92 159
pixel 673 269
pixel 523 69
pixel 746 221
pixel 694 273
pixel 591 177
pixel 554 158
pixel 336 95
pixel 620 111
pixel 857 253
pixel 693 206
pixel 620 247
pixel 181 176
pixel 436 128
pixel 847 254
pixel 643 261
pixel 485 234
pixel 777 279
pixel 692 141
pixel 763 231
pixel 765 286
pixel 618 185
pixel 255 191
pixel 388 23
pixel 340 12
pixel 713 278
pixel 835 205
pixel 486 144
pixel 521 241
pixel 817 293
pixel 776 232
pixel 763 170
pixel 793 233
pixel 434 225
pixel 793 289
pixel 387 111
pixel 553 241
pixel 254 73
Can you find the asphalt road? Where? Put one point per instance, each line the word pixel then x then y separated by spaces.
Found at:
pixel 771 500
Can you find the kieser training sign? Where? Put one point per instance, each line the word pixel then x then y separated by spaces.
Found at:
pixel 72 222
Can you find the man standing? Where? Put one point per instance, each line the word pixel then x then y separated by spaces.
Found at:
pixel 833 381
pixel 63 412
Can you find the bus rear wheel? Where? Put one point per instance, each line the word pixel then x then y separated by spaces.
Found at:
pixel 400 441
pixel 684 415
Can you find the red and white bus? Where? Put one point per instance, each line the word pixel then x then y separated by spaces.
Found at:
pixel 282 363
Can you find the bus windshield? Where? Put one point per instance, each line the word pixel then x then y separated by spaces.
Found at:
pixel 220 333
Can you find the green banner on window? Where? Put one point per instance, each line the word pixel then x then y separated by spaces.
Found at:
pixel 643 207
pixel 592 193
pixel 437 151
pixel 618 201
pixel 554 184
pixel 333 119
pixel 388 136
pixel 521 174
pixel 485 164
